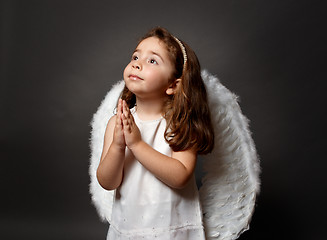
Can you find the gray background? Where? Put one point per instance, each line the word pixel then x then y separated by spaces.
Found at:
pixel 59 58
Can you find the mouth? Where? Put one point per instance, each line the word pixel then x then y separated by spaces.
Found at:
pixel 134 77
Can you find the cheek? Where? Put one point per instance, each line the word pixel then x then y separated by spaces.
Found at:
pixel 150 73
pixel 155 73
pixel 125 73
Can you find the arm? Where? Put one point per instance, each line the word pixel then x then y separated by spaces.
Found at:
pixel 110 169
pixel 174 171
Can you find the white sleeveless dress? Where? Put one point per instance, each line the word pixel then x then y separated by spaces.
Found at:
pixel 146 208
pixel 230 177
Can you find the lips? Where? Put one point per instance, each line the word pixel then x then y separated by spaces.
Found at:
pixel 135 77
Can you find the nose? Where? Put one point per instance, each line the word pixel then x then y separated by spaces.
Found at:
pixel 137 65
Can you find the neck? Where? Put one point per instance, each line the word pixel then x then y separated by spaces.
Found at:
pixel 149 110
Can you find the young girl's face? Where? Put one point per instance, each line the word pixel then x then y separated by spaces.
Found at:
pixel 149 74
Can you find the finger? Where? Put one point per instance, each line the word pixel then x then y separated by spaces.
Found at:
pixel 125 109
pixel 122 109
pixel 128 116
pixel 128 112
pixel 130 120
pixel 119 124
pixel 126 124
pixel 124 120
pixel 119 108
pixel 118 113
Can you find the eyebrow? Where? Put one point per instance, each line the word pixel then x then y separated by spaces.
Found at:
pixel 152 52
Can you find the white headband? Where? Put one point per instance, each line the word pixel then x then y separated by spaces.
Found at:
pixel 183 50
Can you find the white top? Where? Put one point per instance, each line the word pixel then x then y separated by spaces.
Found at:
pixel 146 208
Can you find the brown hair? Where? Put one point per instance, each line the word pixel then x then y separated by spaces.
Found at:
pixel 186 112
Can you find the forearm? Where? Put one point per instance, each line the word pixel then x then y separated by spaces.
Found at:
pixel 174 171
pixel 110 169
pixel 168 169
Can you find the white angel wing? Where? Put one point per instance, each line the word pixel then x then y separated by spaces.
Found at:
pixel 231 179
pixel 102 199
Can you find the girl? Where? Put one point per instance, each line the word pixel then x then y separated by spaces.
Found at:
pixel 151 145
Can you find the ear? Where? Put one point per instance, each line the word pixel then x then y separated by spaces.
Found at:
pixel 172 89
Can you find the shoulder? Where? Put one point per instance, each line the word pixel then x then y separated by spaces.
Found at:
pixel 112 120
pixel 111 124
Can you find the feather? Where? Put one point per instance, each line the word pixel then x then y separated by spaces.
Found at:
pixel 101 198
pixel 231 172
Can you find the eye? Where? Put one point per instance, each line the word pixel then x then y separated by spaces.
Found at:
pixel 134 57
pixel 152 61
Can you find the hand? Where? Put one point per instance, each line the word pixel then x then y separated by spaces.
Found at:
pixel 118 137
pixel 131 131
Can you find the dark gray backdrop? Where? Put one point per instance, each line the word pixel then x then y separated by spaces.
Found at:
pixel 59 58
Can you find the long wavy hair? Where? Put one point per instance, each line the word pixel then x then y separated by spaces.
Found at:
pixel 187 112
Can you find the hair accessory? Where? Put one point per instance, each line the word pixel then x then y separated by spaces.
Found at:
pixel 183 50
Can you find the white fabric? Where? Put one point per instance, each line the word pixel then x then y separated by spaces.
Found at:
pixel 146 208
pixel 231 172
